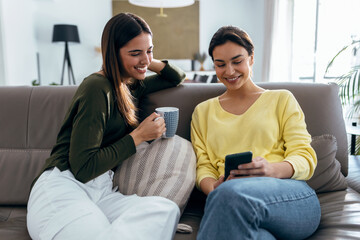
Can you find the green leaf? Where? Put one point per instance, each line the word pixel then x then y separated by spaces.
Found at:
pixel 354 44
pixel 35 83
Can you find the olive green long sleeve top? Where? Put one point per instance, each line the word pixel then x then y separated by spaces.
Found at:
pixel 94 136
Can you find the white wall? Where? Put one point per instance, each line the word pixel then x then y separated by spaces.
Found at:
pixel 18 42
pixel 245 14
pixel 2 62
pixel 30 31
pixel 90 16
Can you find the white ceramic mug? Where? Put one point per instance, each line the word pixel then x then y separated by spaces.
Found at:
pixel 171 117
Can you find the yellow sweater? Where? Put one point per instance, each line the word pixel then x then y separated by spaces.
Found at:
pixel 273 128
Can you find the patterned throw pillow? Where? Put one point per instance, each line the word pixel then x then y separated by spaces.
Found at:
pixel 166 167
pixel 327 176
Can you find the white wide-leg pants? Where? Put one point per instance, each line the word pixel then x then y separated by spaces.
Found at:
pixel 62 208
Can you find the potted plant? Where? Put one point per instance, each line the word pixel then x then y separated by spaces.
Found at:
pixel 200 57
pixel 349 83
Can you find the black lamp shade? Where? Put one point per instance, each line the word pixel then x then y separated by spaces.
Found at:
pixel 65 33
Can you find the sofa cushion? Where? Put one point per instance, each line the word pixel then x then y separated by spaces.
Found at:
pixel 13 223
pixel 165 167
pixel 340 211
pixel 18 169
pixel 327 176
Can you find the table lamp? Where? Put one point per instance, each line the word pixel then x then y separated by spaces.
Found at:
pixel 66 33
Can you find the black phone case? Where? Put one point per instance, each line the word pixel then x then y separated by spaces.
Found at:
pixel 232 161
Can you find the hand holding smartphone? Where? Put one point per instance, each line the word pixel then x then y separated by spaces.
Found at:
pixel 232 161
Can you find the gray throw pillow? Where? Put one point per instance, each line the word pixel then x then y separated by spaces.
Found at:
pixel 327 176
pixel 166 167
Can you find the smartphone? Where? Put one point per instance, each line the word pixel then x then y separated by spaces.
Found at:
pixel 232 161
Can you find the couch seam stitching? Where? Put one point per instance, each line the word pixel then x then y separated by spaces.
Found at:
pixel 28 117
pixel 23 150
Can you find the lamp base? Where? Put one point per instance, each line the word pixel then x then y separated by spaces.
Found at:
pixel 70 71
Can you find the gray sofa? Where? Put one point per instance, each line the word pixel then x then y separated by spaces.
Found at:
pixel 30 118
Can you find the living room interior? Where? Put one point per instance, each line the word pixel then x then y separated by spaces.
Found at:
pixel 294 42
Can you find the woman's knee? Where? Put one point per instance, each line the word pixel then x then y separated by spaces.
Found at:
pixel 238 195
pixel 162 205
pixel 224 196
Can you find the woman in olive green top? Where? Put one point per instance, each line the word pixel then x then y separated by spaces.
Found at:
pixel 73 197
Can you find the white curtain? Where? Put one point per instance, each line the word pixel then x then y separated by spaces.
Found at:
pixel 277 61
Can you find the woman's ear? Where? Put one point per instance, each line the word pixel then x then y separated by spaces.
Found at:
pixel 251 59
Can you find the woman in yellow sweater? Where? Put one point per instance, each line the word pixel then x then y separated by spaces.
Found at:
pixel 272 201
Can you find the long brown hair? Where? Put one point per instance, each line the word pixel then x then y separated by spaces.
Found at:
pixel 118 31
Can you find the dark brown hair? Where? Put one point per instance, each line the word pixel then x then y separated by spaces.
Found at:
pixel 118 31
pixel 233 34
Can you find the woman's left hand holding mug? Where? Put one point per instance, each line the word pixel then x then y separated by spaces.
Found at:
pixel 148 129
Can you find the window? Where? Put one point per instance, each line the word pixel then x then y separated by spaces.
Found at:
pixel 321 28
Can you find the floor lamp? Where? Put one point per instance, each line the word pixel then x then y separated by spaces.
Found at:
pixel 66 33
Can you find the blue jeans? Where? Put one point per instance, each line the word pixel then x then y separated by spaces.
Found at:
pixel 260 208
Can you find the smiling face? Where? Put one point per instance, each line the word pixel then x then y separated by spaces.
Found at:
pixel 136 56
pixel 233 65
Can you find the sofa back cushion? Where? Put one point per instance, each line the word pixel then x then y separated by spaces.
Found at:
pixel 30 118
pixel 320 103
